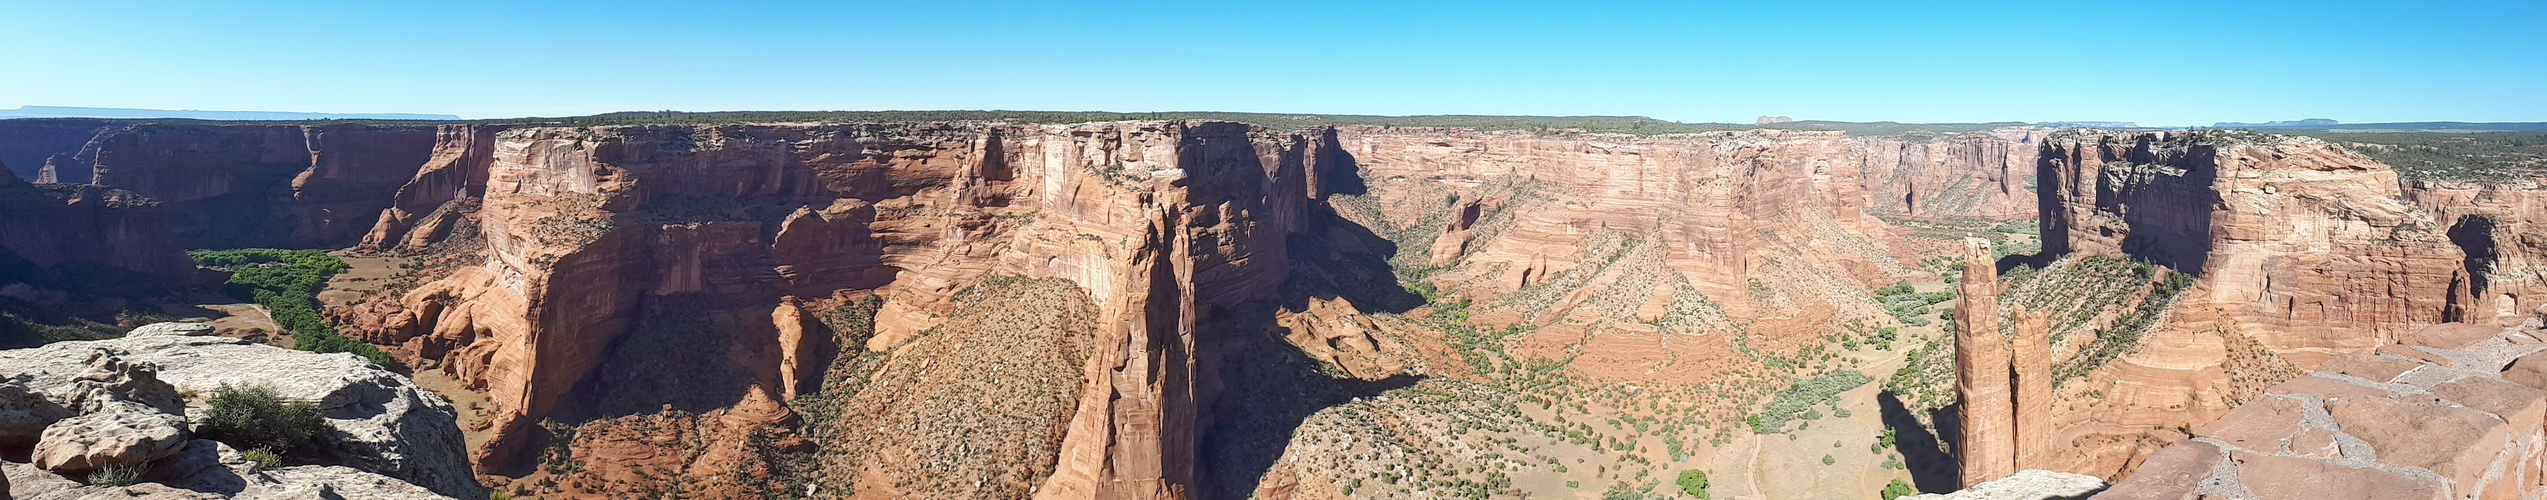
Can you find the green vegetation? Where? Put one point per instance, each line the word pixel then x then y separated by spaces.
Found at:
pixel 1800 399
pixel 1907 305
pixel 1827 459
pixel 2124 336
pixel 287 282
pixel 2483 157
pixel 255 418
pixel 1693 482
pixel 1898 489
pixel 264 458
pixel 118 475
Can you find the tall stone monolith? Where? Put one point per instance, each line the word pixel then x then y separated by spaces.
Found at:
pixel 1987 448
pixel 2033 362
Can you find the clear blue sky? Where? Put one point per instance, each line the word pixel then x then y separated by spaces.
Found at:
pixel 2154 62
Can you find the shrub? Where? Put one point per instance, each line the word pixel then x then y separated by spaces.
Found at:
pixel 255 418
pixel 118 475
pixel 1693 482
pixel 265 458
pixel 1898 489
pixel 1828 460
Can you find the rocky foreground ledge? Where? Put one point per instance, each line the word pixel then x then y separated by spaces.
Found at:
pixel 2454 411
pixel 73 408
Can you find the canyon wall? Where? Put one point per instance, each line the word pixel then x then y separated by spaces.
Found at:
pixel 2498 226
pixel 1162 225
pixel 231 186
pixel 1978 174
pixel 59 228
pixel 2311 248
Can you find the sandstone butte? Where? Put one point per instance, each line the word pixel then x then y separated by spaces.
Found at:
pixel 1640 259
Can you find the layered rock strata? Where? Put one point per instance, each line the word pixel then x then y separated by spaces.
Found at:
pixel 231 186
pixel 2457 411
pixel 1160 224
pixel 51 226
pixel 2310 248
pixel 1987 449
pixel 2032 373
pixel 1981 174
pixel 2498 227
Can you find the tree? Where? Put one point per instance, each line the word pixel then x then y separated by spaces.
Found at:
pixel 1694 482
pixel 1898 489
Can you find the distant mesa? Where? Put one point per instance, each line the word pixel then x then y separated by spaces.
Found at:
pixel 1765 120
pixel 79 112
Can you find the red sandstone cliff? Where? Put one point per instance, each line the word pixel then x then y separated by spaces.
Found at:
pixel 1983 174
pixel 229 186
pixel 2311 247
pixel 54 225
pixel 1159 224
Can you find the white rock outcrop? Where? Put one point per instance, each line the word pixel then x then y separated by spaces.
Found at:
pixel 384 422
pixel 209 470
pixel 2029 484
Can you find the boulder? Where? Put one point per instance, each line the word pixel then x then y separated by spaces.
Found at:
pixel 98 440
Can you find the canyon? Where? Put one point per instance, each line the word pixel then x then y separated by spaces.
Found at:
pixel 1211 309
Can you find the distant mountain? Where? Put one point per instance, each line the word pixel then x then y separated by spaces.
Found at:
pixel 79 112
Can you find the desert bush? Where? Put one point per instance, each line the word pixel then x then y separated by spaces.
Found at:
pixel 255 418
pixel 1693 482
pixel 1898 489
pixel 118 475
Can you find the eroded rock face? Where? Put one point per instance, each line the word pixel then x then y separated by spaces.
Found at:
pixel 1157 222
pixel 2310 248
pixel 385 423
pixel 231 186
pixel 68 227
pixel 1987 449
pixel 1332 332
pixel 1981 174
pixel 2446 425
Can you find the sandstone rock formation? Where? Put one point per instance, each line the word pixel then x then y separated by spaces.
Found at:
pixel 384 423
pixel 1159 223
pixel 1332 332
pixel 62 227
pixel 1978 174
pixel 230 186
pixel 2309 247
pixel 2432 418
pixel 1987 448
pixel 2497 227
pixel 2031 363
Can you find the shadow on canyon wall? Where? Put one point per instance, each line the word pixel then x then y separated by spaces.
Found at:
pixel 1268 386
